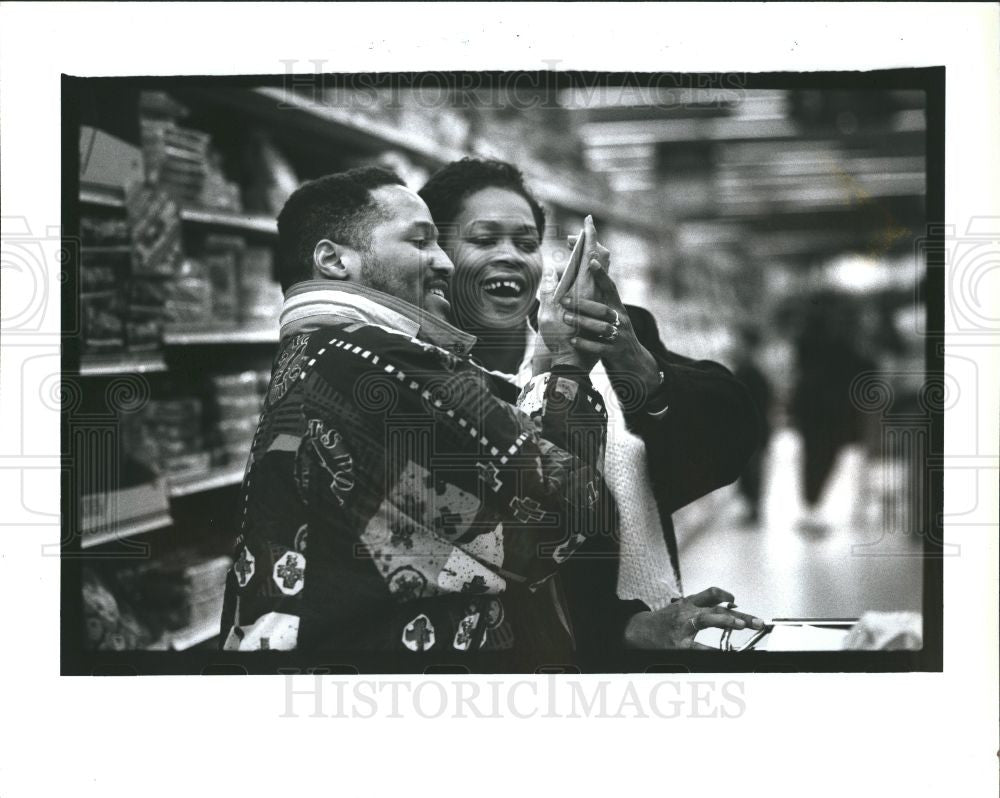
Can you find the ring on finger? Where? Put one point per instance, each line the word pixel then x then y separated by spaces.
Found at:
pixel 618 319
pixel 611 336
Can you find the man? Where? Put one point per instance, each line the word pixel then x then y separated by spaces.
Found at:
pixel 391 502
pixel 679 428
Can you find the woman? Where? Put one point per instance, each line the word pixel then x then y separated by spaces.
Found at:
pixel 678 429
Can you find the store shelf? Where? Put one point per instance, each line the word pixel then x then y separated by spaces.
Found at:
pixel 281 105
pixel 246 222
pixel 102 196
pixel 342 123
pixel 184 639
pixel 250 223
pixel 257 334
pixel 117 249
pixel 126 529
pixel 206 481
pixel 122 363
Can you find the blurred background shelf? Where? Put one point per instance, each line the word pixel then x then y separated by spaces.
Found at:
pixel 247 334
pixel 125 529
pixel 186 485
pixel 183 639
pixel 249 223
pixel 245 222
pixel 285 107
pixel 117 249
pixel 124 363
pixel 102 196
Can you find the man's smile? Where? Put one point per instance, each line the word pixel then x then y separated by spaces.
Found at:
pixel 437 287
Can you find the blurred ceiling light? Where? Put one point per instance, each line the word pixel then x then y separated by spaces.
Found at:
pixel 858 274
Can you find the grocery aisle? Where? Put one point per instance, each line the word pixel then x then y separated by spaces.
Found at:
pixel 783 568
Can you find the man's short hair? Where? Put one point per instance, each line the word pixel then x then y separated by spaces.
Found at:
pixel 339 207
pixel 449 187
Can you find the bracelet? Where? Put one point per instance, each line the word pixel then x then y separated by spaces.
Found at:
pixel 652 399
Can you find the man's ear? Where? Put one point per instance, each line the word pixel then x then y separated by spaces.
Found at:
pixel 334 261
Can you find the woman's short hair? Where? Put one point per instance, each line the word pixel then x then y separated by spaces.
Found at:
pixel 449 187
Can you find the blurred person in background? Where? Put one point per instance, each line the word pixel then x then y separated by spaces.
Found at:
pixel 829 357
pixel 678 428
pixel 746 369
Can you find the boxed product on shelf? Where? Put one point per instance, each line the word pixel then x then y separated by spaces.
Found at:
pixel 236 408
pixel 104 230
pixel 160 105
pixel 107 161
pixel 155 223
pixel 206 581
pixel 237 435
pixel 176 425
pixel 176 158
pixel 102 305
pixel 221 257
pixel 188 298
pixel 239 385
pixel 238 400
pixel 143 333
pixel 109 623
pixel 182 160
pixel 216 191
pixel 144 314
pixel 147 291
pixel 129 493
pixel 260 293
pixel 180 592
pixel 103 327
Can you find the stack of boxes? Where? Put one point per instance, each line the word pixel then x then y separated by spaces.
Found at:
pixel 176 598
pixel 260 294
pixel 102 304
pixel 221 258
pixel 238 399
pixel 125 266
pixel 194 434
pixel 204 589
pixel 181 160
pixel 224 283
pixel 177 427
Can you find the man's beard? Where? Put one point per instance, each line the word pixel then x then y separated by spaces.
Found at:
pixel 374 274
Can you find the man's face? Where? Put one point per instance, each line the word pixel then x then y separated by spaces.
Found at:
pixel 498 260
pixel 404 259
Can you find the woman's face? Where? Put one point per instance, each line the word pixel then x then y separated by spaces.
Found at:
pixel 498 260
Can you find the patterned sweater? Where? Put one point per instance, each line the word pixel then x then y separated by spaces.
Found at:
pixel 392 502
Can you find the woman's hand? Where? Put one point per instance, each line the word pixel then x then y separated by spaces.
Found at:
pixel 556 336
pixel 574 283
pixel 604 330
pixel 575 279
pixel 676 625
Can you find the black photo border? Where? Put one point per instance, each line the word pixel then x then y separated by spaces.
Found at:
pixel 76 660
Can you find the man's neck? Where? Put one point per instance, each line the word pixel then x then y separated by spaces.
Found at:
pixel 313 303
